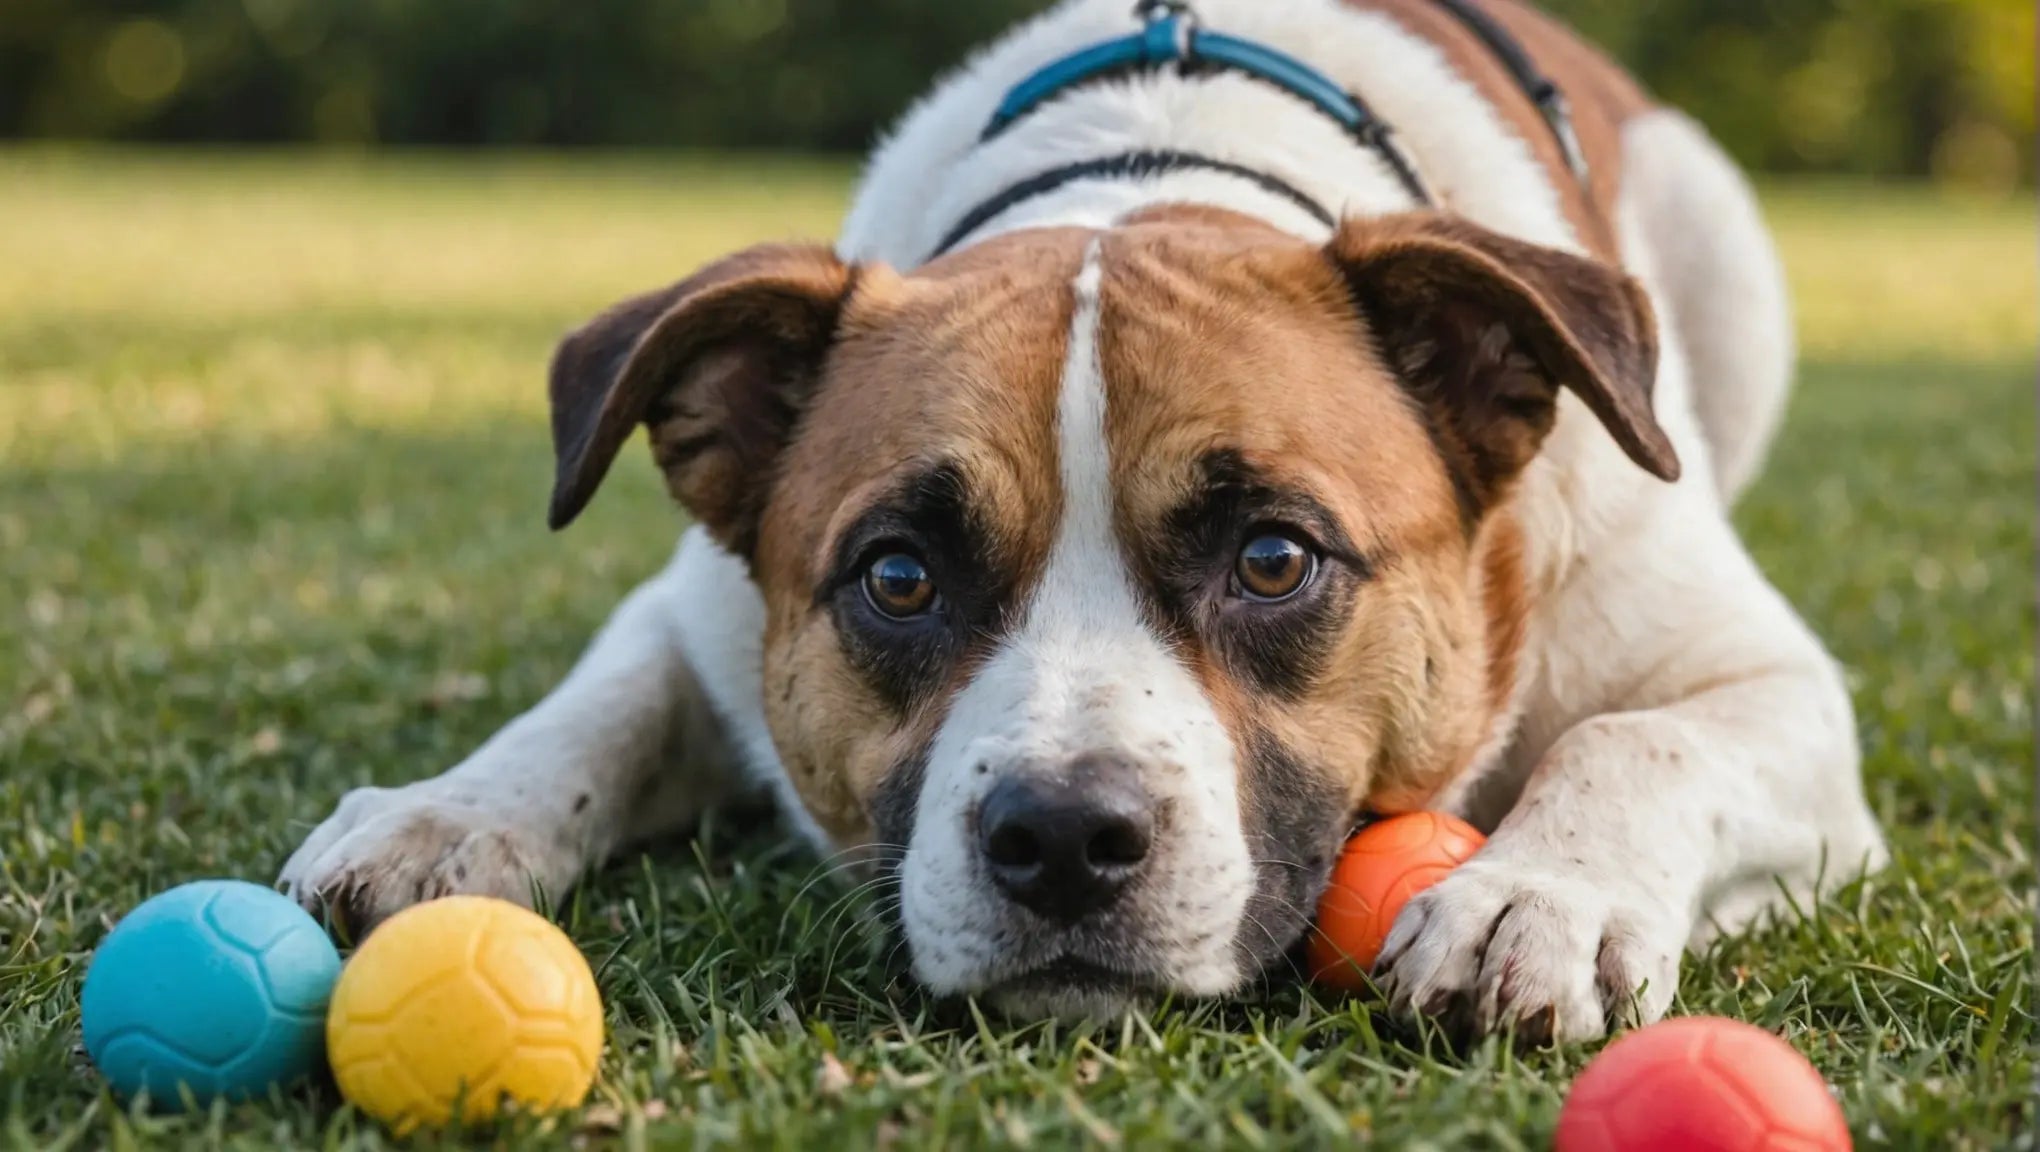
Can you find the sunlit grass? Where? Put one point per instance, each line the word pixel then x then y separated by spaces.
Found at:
pixel 122 275
pixel 1910 273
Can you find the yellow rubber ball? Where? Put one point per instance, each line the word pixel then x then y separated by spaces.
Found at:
pixel 453 1006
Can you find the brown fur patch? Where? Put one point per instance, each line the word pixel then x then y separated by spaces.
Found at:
pixel 1505 603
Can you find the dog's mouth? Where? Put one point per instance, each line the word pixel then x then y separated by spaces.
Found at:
pixel 1078 974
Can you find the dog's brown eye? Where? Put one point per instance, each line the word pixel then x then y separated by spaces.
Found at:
pixel 899 586
pixel 1273 567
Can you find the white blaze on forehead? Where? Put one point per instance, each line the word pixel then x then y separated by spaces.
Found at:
pixel 1082 673
pixel 1084 541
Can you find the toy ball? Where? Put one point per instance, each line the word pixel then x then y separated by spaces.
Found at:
pixel 216 989
pixel 1382 866
pixel 454 1005
pixel 1701 1084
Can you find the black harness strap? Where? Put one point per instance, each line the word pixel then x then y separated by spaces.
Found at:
pixel 1536 85
pixel 1133 165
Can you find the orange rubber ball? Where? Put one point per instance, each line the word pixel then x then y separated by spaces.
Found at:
pixel 1388 862
pixel 1700 1084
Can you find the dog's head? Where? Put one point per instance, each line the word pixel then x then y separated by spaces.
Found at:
pixel 1109 575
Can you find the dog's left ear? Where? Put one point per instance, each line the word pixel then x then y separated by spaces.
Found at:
pixel 1484 329
pixel 722 364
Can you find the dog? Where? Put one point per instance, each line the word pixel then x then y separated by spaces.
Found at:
pixel 1216 425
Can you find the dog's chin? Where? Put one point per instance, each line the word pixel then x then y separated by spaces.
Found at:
pixel 1071 991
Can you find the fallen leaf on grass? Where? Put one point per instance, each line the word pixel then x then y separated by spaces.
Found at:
pixel 832 1078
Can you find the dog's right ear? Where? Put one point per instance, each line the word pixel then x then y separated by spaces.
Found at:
pixel 721 364
pixel 1485 329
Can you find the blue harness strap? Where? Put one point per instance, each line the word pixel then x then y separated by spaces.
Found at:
pixel 1161 42
pixel 1171 36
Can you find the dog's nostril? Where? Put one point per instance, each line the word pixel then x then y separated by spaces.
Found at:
pixel 1012 846
pixel 1118 844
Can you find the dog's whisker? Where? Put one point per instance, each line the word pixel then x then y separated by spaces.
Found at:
pixel 832 915
pixel 1278 863
pixel 1256 921
pixel 863 928
pixel 854 894
pixel 861 855
pixel 893 955
pixel 840 863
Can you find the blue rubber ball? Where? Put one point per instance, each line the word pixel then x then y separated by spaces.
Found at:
pixel 218 987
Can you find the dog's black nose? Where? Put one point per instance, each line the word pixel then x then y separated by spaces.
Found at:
pixel 1066 845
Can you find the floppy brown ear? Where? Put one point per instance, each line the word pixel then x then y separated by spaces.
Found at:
pixel 720 364
pixel 1485 329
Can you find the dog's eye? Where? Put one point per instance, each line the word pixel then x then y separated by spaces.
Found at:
pixel 898 585
pixel 1273 567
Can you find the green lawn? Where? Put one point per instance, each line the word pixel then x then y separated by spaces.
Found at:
pixel 273 468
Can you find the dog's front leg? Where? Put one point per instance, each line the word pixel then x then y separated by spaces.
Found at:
pixel 624 748
pixel 1640 832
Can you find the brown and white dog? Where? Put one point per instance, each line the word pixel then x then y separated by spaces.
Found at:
pixel 1094 575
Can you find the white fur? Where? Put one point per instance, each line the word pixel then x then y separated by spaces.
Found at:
pixel 1082 674
pixel 1680 742
pixel 1721 285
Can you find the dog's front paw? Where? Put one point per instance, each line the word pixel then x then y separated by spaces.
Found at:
pixel 1556 957
pixel 384 849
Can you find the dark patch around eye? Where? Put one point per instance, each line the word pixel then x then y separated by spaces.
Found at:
pixel 893 806
pixel 1295 821
pixel 928 515
pixel 894 803
pixel 1280 647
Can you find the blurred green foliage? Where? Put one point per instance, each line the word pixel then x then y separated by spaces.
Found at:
pixel 1915 87
pixel 1942 87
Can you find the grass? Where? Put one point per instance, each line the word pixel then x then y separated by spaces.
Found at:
pixel 273 461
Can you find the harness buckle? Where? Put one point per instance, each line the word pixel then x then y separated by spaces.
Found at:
pixel 1170 26
pixel 1150 11
pixel 1558 114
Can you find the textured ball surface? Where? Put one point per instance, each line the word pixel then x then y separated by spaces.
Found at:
pixel 1382 866
pixel 454 1005
pixel 1701 1084
pixel 218 987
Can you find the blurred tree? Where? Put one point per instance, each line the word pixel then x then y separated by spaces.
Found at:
pixel 1941 87
pixel 1914 87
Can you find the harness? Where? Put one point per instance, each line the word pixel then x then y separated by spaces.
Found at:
pixel 1171 36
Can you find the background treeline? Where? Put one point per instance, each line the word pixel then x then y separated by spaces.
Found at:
pixel 1878 87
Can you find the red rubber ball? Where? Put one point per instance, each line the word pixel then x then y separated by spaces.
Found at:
pixel 1380 868
pixel 1701 1084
